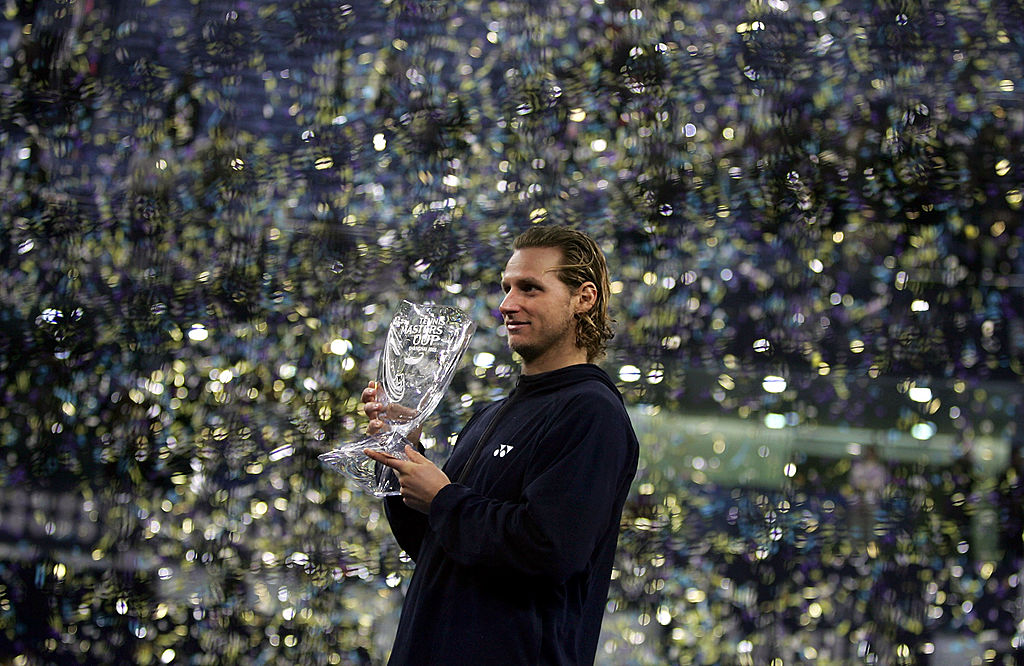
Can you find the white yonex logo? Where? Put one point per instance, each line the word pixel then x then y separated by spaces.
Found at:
pixel 502 450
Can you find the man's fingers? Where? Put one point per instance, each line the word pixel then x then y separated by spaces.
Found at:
pixel 414 455
pixel 369 399
pixel 385 459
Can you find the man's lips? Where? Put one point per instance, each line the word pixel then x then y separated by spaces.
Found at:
pixel 515 326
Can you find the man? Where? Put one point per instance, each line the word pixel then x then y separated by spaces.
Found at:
pixel 515 538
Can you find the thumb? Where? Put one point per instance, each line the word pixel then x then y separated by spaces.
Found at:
pixel 414 455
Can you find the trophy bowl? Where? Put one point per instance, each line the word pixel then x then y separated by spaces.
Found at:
pixel 424 345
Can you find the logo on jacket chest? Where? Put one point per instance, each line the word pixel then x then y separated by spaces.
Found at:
pixel 502 450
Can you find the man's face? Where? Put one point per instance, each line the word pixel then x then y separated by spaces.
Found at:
pixel 538 309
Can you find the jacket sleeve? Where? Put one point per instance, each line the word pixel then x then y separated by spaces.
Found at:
pixel 408 525
pixel 569 500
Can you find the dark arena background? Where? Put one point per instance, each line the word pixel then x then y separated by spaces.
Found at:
pixel 812 212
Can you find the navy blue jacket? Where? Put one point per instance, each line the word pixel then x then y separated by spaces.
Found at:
pixel 514 560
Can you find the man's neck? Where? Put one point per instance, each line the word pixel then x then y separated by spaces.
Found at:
pixel 546 364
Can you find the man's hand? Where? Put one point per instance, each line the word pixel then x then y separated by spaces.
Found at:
pixel 376 411
pixel 419 479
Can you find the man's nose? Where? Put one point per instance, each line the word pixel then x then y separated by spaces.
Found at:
pixel 508 305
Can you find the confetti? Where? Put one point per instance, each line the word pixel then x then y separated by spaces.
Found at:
pixel 812 216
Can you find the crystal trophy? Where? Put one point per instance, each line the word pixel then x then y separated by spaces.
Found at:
pixel 423 347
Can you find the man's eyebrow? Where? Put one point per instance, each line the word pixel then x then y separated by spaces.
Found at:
pixel 528 281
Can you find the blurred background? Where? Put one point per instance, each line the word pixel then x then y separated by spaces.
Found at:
pixel 812 214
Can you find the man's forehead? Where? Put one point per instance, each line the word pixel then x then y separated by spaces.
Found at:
pixel 524 264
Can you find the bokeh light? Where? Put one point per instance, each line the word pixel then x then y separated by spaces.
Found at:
pixel 812 213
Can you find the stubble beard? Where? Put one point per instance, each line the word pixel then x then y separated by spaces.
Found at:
pixel 531 351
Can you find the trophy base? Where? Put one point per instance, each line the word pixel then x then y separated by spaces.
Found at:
pixel 377 479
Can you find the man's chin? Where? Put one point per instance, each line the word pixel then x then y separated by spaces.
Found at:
pixel 526 352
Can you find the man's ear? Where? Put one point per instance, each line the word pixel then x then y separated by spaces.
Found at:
pixel 587 295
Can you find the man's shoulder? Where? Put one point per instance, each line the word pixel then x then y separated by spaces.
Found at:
pixel 584 388
pixel 590 400
pixel 598 387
